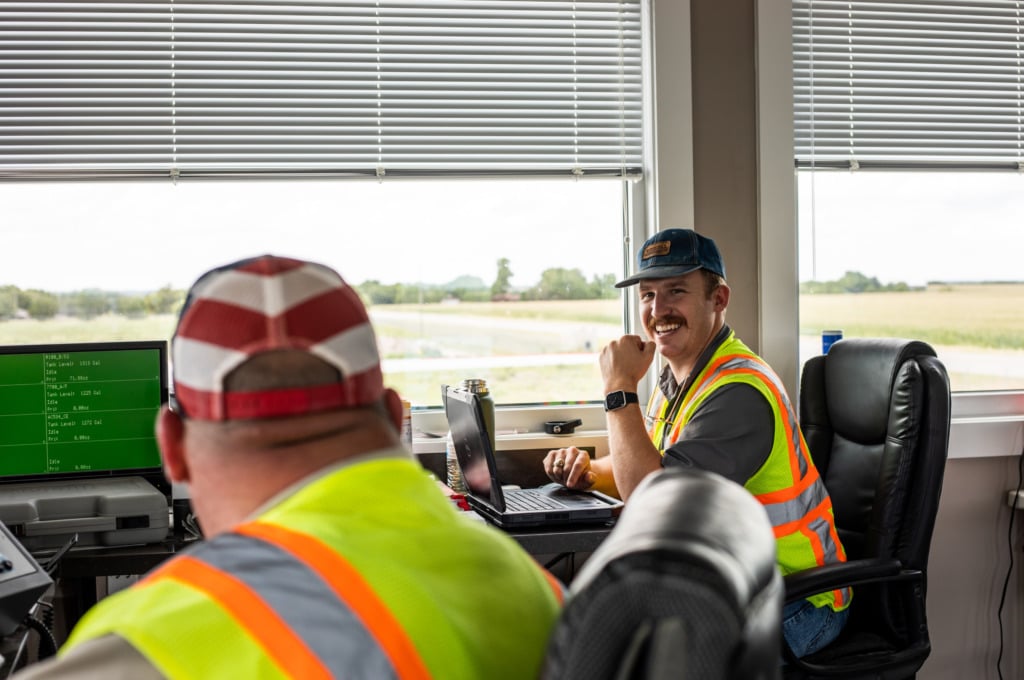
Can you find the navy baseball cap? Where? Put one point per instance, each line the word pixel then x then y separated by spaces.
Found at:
pixel 674 252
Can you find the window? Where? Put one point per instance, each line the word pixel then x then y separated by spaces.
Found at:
pixel 104 251
pixel 908 145
pixel 466 165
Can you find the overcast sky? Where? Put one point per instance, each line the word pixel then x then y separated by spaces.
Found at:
pixel 139 236
pixel 143 235
pixel 912 227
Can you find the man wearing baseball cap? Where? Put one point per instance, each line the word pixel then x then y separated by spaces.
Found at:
pixel 328 550
pixel 719 407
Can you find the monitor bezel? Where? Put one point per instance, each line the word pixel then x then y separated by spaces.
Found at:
pixel 155 474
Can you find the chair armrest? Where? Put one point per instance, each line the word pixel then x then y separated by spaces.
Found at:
pixel 802 584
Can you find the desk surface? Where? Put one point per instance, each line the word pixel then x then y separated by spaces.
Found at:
pixel 131 560
pixel 139 559
pixel 78 568
pixel 582 538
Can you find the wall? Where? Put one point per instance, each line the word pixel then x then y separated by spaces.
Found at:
pixel 968 566
pixel 741 193
pixel 724 165
pixel 725 169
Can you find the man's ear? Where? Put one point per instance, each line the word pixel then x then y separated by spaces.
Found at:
pixel 394 406
pixel 170 435
pixel 721 297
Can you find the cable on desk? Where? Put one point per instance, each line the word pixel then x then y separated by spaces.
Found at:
pixel 190 523
pixel 48 613
pixel 556 559
pixel 51 564
pixel 571 557
pixel 47 643
pixel 21 651
pixel 1009 569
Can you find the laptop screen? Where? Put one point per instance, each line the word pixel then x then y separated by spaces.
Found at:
pixel 80 410
pixel 472 444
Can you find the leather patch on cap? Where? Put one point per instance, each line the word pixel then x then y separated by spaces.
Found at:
pixel 659 248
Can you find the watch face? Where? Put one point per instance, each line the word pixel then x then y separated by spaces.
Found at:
pixel 615 400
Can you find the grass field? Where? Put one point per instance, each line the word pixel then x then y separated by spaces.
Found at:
pixel 980 315
pixel 970 315
pixel 593 311
pixel 423 344
pixel 100 329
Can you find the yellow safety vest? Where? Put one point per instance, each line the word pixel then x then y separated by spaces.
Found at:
pixel 342 580
pixel 788 484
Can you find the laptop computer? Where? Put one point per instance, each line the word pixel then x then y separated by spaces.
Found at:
pixel 548 505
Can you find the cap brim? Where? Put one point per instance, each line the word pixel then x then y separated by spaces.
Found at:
pixel 663 272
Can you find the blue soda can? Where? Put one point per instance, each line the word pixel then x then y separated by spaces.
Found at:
pixel 829 337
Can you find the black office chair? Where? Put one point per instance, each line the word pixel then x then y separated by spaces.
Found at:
pixel 875 414
pixel 686 587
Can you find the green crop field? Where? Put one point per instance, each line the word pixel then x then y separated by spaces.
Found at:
pixel 424 346
pixel 976 315
pixel 99 329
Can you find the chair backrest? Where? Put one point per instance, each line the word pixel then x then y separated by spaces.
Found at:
pixel 685 586
pixel 875 415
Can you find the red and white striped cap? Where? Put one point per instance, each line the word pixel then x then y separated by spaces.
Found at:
pixel 267 303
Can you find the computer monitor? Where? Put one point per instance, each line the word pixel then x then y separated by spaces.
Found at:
pixel 81 410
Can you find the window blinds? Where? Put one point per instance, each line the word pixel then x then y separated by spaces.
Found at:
pixel 914 83
pixel 319 88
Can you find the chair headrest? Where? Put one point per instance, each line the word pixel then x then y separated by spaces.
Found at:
pixel 701 518
pixel 690 581
pixel 859 376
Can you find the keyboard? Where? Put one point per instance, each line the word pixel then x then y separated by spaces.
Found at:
pixel 527 499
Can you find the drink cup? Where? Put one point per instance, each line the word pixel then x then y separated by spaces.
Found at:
pixel 829 337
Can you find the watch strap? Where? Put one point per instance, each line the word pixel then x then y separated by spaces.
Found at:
pixel 613 401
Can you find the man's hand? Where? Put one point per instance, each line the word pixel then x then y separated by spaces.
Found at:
pixel 625 361
pixel 570 467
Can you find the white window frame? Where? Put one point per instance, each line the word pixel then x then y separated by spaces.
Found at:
pixel 984 424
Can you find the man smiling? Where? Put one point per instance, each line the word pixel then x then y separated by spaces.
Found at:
pixel 718 407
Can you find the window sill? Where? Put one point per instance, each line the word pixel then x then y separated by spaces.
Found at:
pixel 983 425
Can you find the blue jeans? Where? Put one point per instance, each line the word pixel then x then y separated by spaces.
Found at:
pixel 807 628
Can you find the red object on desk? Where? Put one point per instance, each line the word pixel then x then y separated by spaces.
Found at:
pixel 457 499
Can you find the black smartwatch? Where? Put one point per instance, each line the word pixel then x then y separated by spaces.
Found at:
pixel 613 401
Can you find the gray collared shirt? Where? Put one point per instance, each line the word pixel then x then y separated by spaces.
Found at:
pixel 730 433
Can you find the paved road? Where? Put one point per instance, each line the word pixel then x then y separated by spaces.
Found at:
pixel 466 342
pixel 1006 363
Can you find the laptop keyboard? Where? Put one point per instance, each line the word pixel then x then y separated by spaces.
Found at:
pixel 525 499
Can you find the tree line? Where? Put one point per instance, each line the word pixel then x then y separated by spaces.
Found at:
pixel 853 282
pixel 555 284
pixel 86 304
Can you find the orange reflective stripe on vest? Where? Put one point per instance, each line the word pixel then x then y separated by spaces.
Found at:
pixel 351 588
pixel 802 474
pixel 744 364
pixel 554 583
pixel 250 598
pixel 797 507
pixel 251 612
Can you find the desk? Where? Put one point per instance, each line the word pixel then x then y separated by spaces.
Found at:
pixel 139 559
pixel 563 543
pixel 577 539
pixel 78 569
pixel 129 560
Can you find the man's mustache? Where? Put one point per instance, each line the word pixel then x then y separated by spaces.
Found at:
pixel 666 320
